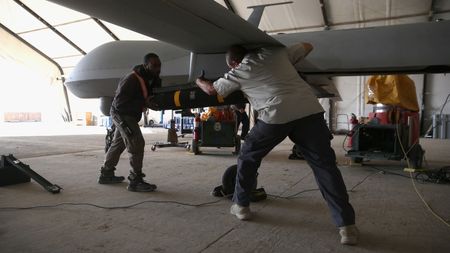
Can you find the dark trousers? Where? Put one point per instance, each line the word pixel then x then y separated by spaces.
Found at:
pixel 134 144
pixel 312 136
pixel 242 117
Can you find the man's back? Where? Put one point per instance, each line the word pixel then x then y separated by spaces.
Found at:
pixel 273 86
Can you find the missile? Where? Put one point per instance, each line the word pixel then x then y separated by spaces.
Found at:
pixel 192 97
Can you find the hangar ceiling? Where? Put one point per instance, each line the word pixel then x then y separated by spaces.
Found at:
pixel 64 35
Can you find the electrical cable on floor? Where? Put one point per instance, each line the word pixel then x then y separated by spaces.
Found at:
pixel 113 207
pixel 426 204
pixel 362 181
pixel 295 195
pixel 414 184
pixel 388 172
pixel 441 176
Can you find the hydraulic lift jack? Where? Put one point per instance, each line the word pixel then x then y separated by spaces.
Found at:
pixel 13 171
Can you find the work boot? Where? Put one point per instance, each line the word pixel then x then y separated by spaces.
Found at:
pixel 349 235
pixel 137 183
pixel 241 212
pixel 107 177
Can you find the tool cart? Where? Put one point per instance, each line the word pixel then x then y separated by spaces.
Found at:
pixel 216 131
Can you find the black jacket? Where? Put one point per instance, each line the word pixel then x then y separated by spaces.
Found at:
pixel 129 100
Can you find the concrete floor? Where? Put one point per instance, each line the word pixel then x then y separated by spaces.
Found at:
pixel 390 215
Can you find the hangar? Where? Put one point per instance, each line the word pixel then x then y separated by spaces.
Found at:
pixel 42 52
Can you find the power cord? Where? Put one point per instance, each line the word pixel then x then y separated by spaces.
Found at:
pixel 362 181
pixel 296 195
pixel 112 207
pixel 388 172
pixel 441 176
pixel 293 196
pixel 414 184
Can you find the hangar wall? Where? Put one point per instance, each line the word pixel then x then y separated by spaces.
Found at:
pixel 29 82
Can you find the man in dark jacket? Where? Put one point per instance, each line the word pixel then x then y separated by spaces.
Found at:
pixel 132 97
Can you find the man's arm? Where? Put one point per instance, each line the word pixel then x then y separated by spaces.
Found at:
pixel 206 86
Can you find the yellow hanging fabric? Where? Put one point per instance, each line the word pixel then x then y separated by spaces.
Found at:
pixel 396 90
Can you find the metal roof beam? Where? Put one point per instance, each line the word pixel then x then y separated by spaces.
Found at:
pixel 105 28
pixel 229 6
pixel 66 56
pixel 49 59
pixel 61 24
pixel 32 47
pixel 50 26
pixel 357 22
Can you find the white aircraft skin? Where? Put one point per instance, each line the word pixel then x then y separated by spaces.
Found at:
pixel 195 34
